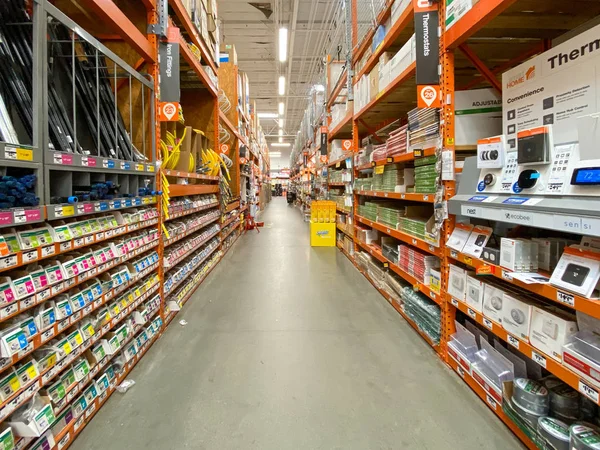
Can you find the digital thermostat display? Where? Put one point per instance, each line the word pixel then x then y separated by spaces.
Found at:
pixel 586 176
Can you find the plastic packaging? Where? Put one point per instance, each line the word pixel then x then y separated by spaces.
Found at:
pixel 125 386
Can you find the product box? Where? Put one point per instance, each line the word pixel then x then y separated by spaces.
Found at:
pixel 227 54
pixel 36 425
pixel 477 240
pixel 322 234
pixel 455 9
pixel 493 301
pixel 457 283
pixel 577 271
pixel 514 254
pixel 553 88
pixel 550 330
pixel 459 236
pixel 516 315
pixel 374 81
pixel 474 294
pixel 478 115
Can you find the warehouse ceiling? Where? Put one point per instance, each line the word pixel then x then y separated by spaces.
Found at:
pixel 315 28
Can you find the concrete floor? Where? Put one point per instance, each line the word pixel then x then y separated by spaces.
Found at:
pixel 289 347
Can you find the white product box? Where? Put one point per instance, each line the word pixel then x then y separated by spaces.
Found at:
pixel 478 115
pixel 457 283
pixel 516 315
pixel 398 8
pixel 384 76
pixel 36 425
pixel 474 294
pixel 459 236
pixel 514 254
pixel 554 88
pixel 455 9
pixel 550 330
pixel 477 240
pixel 493 302
pixel 577 273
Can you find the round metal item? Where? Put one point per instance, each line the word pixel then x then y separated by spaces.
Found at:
pixel 555 432
pixel 584 437
pixel 531 396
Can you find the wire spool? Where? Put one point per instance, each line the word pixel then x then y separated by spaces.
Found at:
pixel 554 432
pixel 584 437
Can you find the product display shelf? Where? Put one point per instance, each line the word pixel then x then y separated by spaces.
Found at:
pixel 416 284
pixel 66 210
pixel 404 237
pixel 190 251
pixel 68 435
pixel 180 174
pixel 181 190
pixel 228 221
pixel 232 206
pixel 409 156
pixel 227 233
pixel 20 216
pixel 402 26
pixel 174 239
pixel 341 82
pixel 547 291
pixel 178 283
pixel 343 129
pixel 343 211
pixel 191 211
pixel 336 184
pixel 346 232
pixel 232 244
pixel 424 198
pixel 547 362
pixel 491 403
pixel 190 58
pixel 25 257
pixel 382 16
pixel 186 25
pixel 338 163
pixel 229 125
pixel 59 288
pixel 26 392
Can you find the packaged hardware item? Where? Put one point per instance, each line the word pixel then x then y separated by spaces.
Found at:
pixel 554 432
pixel 474 294
pixel 550 329
pixel 462 347
pixel 584 437
pixel 516 315
pixel 33 418
pixel 457 283
pixel 477 240
pixel 578 270
pixel 530 400
pixel 565 402
pixel 581 354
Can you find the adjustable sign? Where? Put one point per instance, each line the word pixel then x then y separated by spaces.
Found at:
pixel 428 51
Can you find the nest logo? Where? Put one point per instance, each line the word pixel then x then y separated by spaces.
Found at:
pixel 520 77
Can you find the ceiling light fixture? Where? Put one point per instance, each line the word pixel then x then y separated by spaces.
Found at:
pixel 285 144
pixel 280 139
pixel 275 154
pixel 281 108
pixel 282 85
pixel 283 37
pixel 319 88
pixel 268 115
pixel 280 132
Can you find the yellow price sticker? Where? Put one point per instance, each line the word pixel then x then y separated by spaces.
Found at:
pixel 68 211
pixel 379 170
pixel 78 339
pixel 31 372
pixel 123 304
pixel 52 360
pixel 468 260
pixel 15 384
pixel 130 298
pixel 67 348
pixel 91 331
pixel 116 310
pixel 24 154
pixel 150 168
pixel 107 317
pixel 138 293
pixel 139 167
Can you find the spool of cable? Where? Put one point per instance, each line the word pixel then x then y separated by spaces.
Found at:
pixel 554 432
pixel 584 437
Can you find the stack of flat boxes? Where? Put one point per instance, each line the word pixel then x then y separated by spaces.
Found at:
pixel 417 263
pixel 426 175
pixel 203 14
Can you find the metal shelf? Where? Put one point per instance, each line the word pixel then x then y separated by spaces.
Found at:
pixel 74 161
pixel 426 198
pixel 343 129
pixel 61 211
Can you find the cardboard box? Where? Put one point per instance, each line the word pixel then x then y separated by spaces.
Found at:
pixel 457 283
pixel 374 81
pixel 227 54
pixel 493 302
pixel 516 315
pixel 474 294
pixel 478 115
pixel 550 330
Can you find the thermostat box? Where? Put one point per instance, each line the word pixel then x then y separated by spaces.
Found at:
pixel 550 330
pixel 493 302
pixel 514 254
pixel 474 294
pixel 457 282
pixel 459 236
pixel 477 240
pixel 577 271
pixel 516 315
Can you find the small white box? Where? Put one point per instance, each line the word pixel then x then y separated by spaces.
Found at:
pixel 36 425
pixel 459 236
pixel 516 316
pixel 457 283
pixel 513 254
pixel 550 330
pixel 576 273
pixel 493 302
pixel 474 294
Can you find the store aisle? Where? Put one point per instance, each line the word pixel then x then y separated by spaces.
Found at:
pixel 289 347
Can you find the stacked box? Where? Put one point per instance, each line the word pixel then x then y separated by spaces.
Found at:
pixel 414 226
pixel 396 143
pixel 363 184
pixel 426 175
pixel 423 312
pixel 368 211
pixel 391 215
pixel 423 125
pixel 417 263
pixel 392 177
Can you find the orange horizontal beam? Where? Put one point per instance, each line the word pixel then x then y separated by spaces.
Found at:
pixel 109 13
pixel 382 17
pixel 179 190
pixel 474 20
pixel 195 64
pixel 337 89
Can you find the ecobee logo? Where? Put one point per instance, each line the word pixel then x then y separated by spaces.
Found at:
pixel 518 216
pixel 521 77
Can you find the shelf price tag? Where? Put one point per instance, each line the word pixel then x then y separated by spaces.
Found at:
pixel 454 302
pixel 468 260
pixel 491 401
pixel 588 391
pixel 538 359
pixel 379 170
pixel 453 254
pixel 513 341
pixel 488 323
pixel 565 298
pixel 18 154
pixel 472 313
pixel 507 276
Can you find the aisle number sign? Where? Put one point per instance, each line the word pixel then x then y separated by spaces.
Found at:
pixel 428 51
pixel 428 96
pixel 168 111
pixel 224 148
pixel 347 145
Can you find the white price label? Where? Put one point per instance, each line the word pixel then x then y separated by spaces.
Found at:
pixel 565 298
pixel 79 423
pixel 64 441
pixel 491 401
pixel 513 341
pixel 414 242
pixel 472 313
pixel 64 246
pixel 29 256
pixel 461 372
pixel 454 302
pixel 488 323
pixel 425 198
pixel 9 261
pixel 453 254
pixel 47 251
pixel 507 275
pixel 47 334
pixel 538 359
pixel 588 391
pixel 78 242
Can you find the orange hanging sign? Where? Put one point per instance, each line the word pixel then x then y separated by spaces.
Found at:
pixel 224 148
pixel 347 145
pixel 428 97
pixel 168 111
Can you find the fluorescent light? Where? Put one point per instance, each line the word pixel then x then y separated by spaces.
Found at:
pixel 268 115
pixel 280 132
pixel 281 108
pixel 280 139
pixel 285 144
pixel 281 123
pixel 283 37
pixel 319 88
pixel 275 154
pixel 282 85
